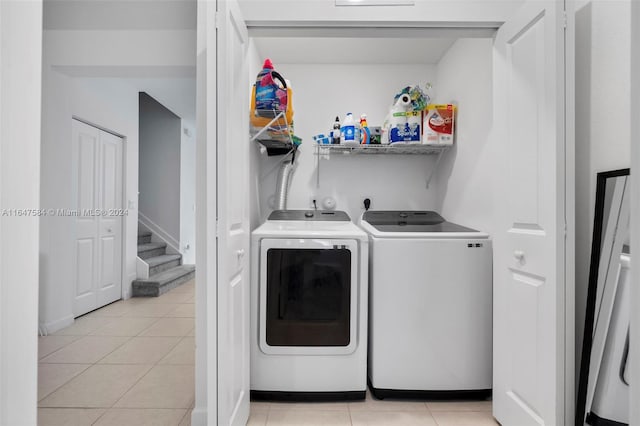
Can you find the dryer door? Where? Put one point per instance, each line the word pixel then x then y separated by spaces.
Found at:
pixel 308 296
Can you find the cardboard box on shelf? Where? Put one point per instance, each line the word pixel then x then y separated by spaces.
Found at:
pixel 439 124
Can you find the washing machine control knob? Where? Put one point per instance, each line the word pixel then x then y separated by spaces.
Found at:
pixel 308 214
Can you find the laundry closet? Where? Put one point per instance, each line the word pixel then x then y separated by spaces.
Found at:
pixel 504 175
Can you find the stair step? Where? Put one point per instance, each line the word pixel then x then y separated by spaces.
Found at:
pixel 164 281
pixel 144 237
pixel 148 250
pixel 159 264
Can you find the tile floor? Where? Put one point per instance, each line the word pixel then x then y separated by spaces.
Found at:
pixel 131 363
pixel 373 412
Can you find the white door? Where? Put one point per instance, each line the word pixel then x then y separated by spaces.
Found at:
pixel 97 174
pixel 233 215
pixel 530 277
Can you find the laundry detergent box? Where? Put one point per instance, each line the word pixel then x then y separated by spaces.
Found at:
pixel 439 124
pixel 406 127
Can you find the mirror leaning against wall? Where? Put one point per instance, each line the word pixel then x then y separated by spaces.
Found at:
pixel 603 389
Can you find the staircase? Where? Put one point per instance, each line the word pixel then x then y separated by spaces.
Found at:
pixel 166 271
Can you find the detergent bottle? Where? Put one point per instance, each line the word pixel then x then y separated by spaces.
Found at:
pixel 365 133
pixel 271 95
pixel 349 132
pixel 268 82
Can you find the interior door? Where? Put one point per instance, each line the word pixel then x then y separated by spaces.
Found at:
pixel 233 215
pixel 98 215
pixel 531 281
pixel 109 284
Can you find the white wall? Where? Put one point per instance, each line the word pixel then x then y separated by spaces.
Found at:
pixel 68 57
pixel 56 248
pixel 320 92
pixel 188 192
pixel 113 105
pixel 152 53
pixel 160 135
pixel 465 177
pixel 20 91
pixel 602 143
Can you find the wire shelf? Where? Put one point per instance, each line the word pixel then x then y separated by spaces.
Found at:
pixel 275 135
pixel 397 149
pixel 325 151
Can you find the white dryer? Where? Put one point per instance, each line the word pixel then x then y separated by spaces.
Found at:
pixel 430 306
pixel 309 307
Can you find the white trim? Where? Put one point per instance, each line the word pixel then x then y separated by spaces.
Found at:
pixel 53 326
pixel 20 134
pixel 159 232
pixel 125 287
pixel 206 401
pixel 104 129
pixel 142 269
pixel 375 3
pixel 635 211
pixel 199 417
pixel 570 221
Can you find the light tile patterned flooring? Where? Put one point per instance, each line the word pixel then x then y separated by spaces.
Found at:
pixel 131 363
pixel 373 412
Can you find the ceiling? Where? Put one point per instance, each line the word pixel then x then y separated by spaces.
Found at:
pixel 353 50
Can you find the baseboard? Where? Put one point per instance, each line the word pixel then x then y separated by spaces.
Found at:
pixel 53 326
pixel 199 417
pixel 157 230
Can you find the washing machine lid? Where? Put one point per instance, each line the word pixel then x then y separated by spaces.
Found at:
pixel 310 215
pixel 418 223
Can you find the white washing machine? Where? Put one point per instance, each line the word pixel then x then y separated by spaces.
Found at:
pixel 430 306
pixel 309 307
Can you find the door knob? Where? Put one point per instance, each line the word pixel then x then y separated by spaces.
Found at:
pixel 109 230
pixel 240 254
pixel 519 255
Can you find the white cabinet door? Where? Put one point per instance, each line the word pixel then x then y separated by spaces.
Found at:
pixel 530 277
pixel 233 215
pixel 97 160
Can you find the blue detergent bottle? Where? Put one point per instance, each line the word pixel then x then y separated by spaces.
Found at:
pixel 269 84
pixel 349 132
